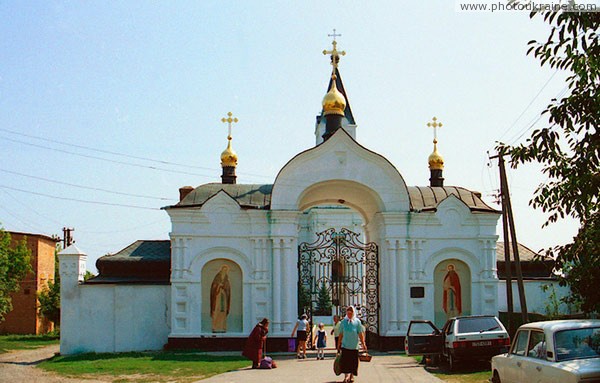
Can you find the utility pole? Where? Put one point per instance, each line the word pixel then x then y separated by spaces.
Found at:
pixel 507 267
pixel 509 226
pixel 67 237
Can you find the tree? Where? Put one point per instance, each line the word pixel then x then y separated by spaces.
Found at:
pixel 569 149
pixel 14 266
pixel 323 301
pixel 304 298
pixel 49 297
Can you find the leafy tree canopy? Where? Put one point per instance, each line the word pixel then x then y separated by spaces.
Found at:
pixel 14 266
pixel 569 148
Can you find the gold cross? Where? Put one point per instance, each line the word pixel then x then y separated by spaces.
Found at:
pixel 229 120
pixel 335 54
pixel 434 125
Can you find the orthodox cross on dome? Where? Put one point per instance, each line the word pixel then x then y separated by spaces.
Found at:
pixel 434 124
pixel 335 54
pixel 229 120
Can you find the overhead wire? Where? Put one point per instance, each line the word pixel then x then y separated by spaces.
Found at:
pixel 79 200
pixel 84 187
pixel 529 105
pixel 105 159
pixel 115 153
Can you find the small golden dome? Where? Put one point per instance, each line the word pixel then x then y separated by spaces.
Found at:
pixel 436 161
pixel 334 101
pixel 229 156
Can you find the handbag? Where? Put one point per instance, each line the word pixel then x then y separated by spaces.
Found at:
pixel 337 364
pixel 292 345
pixel 365 357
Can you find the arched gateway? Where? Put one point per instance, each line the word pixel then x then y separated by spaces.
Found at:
pixel 241 252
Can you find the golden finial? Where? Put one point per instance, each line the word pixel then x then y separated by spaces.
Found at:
pixel 229 156
pixel 434 125
pixel 335 54
pixel 229 120
pixel 436 161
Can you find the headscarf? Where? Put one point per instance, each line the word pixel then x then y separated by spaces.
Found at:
pixel 354 316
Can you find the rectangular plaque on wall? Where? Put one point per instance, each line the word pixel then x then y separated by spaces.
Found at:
pixel 417 292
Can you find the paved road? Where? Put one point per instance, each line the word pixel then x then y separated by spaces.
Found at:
pixel 382 368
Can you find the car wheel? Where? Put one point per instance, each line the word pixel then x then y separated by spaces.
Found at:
pixel 496 377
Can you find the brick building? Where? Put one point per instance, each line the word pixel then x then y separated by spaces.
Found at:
pixel 25 318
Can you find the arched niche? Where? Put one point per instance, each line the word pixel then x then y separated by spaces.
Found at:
pixel 222 297
pixel 452 290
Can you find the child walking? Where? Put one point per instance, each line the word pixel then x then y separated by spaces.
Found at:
pixel 321 341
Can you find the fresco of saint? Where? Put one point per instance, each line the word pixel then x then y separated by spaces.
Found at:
pixel 452 301
pixel 220 300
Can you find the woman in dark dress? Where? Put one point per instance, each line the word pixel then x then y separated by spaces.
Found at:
pixel 256 343
pixel 351 332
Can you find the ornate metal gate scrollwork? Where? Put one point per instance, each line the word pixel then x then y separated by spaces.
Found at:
pixel 347 269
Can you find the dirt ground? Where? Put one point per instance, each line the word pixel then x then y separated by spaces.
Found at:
pixel 19 367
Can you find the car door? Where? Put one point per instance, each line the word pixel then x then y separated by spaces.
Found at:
pixel 423 338
pixel 513 371
pixel 536 366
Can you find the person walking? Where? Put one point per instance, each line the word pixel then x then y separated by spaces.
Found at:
pixel 351 331
pixel 301 335
pixel 321 341
pixel 336 329
pixel 256 343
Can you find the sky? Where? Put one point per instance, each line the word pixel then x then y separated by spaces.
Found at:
pixel 108 108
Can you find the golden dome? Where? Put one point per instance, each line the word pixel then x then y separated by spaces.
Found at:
pixel 229 156
pixel 436 161
pixel 334 101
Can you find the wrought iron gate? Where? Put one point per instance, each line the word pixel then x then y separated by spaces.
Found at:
pixel 339 266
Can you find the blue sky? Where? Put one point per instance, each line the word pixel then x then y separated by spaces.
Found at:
pixel 153 79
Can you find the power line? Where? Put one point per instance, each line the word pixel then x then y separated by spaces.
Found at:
pixel 119 153
pixel 79 200
pixel 105 159
pixel 531 125
pixel 529 105
pixel 84 187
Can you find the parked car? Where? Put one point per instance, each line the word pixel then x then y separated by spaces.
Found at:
pixel 477 337
pixel 565 351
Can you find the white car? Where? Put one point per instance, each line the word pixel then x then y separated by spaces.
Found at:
pixel 563 351
pixel 462 339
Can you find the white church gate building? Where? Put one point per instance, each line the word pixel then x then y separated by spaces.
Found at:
pixel 235 253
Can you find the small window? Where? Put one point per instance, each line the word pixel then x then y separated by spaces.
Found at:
pixel 449 328
pixel 520 344
pixel 417 292
pixel 537 345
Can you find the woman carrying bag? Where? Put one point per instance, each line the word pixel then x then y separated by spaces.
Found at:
pixel 351 331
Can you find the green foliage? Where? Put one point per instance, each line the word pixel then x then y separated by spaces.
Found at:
pixel 304 299
pixel 569 149
pixel 154 366
pixel 14 266
pixel 49 297
pixel 323 301
pixel 552 303
pixel 88 275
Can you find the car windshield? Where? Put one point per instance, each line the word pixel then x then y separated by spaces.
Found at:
pixel 480 324
pixel 577 343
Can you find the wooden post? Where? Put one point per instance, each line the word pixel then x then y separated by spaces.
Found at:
pixel 515 246
pixel 507 268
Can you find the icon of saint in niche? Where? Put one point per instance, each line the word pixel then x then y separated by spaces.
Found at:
pixel 220 300
pixel 452 302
